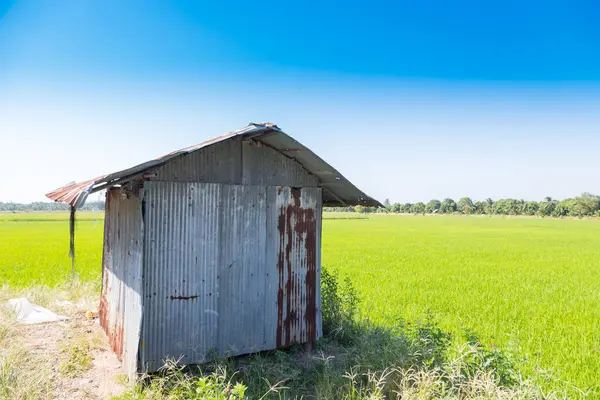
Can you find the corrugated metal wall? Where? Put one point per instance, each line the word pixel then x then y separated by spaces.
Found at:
pixel 219 163
pixel 232 268
pixel 120 303
pixel 237 162
pixel 265 166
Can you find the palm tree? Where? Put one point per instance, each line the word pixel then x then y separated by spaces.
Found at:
pixel 489 205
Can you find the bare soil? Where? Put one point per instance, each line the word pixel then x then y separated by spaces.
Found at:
pixel 49 344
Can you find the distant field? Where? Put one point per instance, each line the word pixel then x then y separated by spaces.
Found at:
pixel 528 279
pixel 34 247
pixel 533 281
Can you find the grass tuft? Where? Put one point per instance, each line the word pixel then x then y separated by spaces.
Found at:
pixel 78 359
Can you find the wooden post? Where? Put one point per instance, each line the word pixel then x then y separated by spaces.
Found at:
pixel 72 242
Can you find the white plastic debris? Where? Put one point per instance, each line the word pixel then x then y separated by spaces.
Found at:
pixel 29 313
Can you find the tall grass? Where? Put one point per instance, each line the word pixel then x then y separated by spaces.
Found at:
pixel 355 360
pixel 531 282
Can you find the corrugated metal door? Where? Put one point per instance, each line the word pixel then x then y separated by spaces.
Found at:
pixel 180 279
pixel 243 271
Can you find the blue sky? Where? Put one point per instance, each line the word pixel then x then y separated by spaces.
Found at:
pixel 409 100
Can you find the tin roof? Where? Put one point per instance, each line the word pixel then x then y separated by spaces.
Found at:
pixel 337 190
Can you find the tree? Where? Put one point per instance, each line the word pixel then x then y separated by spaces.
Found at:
pixel 448 206
pixel 387 204
pixel 479 207
pixel 586 204
pixel 547 207
pixel 418 208
pixel 359 209
pixel 432 206
pixel 531 208
pixel 395 208
pixel 465 205
pixel 564 208
pixel 489 206
pixel 405 208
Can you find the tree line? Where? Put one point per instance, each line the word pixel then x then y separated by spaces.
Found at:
pixel 585 205
pixel 48 206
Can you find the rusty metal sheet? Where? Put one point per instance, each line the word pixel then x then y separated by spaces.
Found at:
pixel 337 190
pixel 298 315
pixel 120 301
pixel 74 194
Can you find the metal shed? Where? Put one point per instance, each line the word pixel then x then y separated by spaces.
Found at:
pixel 214 248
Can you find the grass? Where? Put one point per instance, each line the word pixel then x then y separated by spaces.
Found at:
pixel 34 248
pixel 27 373
pixel 21 377
pixel 527 284
pixel 78 359
pixel 531 282
pixel 355 360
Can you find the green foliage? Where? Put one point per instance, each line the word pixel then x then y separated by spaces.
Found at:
pixel 501 362
pixel 465 205
pixel 339 305
pixel 178 382
pixel 479 207
pixel 531 208
pixel 433 205
pixel 405 208
pixel 78 360
pixel 586 205
pixel 448 206
pixel 48 206
pixel 395 208
pixel 418 208
pixel 432 341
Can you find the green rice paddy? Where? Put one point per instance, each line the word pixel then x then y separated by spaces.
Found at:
pixel 529 283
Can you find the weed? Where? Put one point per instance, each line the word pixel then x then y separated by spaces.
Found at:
pixel 78 359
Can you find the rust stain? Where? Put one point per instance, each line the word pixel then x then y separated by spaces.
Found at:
pixel 296 297
pixel 183 297
pixel 114 333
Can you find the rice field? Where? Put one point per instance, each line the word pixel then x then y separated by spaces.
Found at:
pixel 531 284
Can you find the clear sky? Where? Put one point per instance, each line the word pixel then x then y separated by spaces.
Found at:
pixel 410 100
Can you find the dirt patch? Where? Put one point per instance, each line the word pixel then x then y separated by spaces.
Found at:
pixel 77 356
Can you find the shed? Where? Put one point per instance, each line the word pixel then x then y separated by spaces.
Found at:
pixel 214 248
